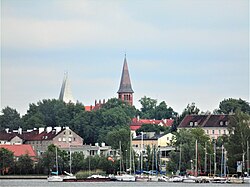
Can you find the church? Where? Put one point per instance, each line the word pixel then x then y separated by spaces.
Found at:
pixel 125 91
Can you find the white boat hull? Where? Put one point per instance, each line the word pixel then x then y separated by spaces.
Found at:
pixel 125 178
pixel 55 179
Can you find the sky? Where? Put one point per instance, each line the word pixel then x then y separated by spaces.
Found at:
pixel 178 51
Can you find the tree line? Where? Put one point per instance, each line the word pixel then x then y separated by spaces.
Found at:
pixel 110 124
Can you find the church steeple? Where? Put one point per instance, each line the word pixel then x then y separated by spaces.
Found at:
pixel 65 93
pixel 125 91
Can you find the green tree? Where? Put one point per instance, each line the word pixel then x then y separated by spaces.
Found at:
pixel 235 143
pixel 6 160
pixel 148 107
pixel 77 161
pixel 10 118
pixel 185 141
pixel 232 105
pixel 49 159
pixel 25 164
pixel 152 128
pixel 119 135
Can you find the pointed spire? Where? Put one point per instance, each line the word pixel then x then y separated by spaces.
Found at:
pixel 66 94
pixel 125 84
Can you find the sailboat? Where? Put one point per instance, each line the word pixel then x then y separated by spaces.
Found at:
pixel 56 177
pixel 69 176
pixel 124 176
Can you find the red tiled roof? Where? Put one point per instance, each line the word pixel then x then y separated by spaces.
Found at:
pixel 137 123
pixel 19 150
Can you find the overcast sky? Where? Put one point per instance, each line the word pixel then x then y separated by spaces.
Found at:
pixel 178 51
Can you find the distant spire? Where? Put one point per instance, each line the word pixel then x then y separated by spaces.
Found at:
pixel 125 84
pixel 66 94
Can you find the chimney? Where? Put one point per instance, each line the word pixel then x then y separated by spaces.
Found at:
pixel 40 130
pixel 138 118
pixel 48 129
pixel 7 130
pixel 19 130
pixel 103 144
pixel 58 129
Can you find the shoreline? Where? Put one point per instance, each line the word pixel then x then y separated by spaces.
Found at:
pixel 23 177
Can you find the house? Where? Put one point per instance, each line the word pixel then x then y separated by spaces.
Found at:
pixel 137 123
pixel 41 138
pixel 162 142
pixel 10 138
pixel 19 150
pixel 213 125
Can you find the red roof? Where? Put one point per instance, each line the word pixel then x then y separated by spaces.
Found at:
pixel 19 150
pixel 137 123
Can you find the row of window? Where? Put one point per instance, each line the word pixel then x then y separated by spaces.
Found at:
pixel 217 131
pixel 194 124
pixel 64 139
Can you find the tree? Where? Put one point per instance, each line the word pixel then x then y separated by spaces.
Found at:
pixel 150 110
pixel 148 107
pixel 230 105
pixel 185 141
pixel 51 113
pixel 25 164
pixel 119 135
pixel 6 160
pixel 49 157
pixel 10 119
pixel 235 143
pixel 153 128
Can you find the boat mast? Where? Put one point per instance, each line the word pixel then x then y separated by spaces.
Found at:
pixel 130 153
pixel 120 157
pixel 56 163
pixel 248 158
pixel 205 165
pixel 196 158
pixel 141 152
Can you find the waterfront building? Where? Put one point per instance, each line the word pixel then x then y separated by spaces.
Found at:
pixel 213 125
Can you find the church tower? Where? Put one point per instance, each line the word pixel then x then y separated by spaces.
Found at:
pixel 66 94
pixel 125 92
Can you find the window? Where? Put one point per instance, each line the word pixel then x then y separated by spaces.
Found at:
pixel 64 140
pixel 225 132
pixel 196 123
pixel 226 123
pixel 191 123
pixel 69 132
pixel 59 139
pixel 74 139
pixel 207 131
pixel 221 123
pixel 212 131
pixel 69 139
pixel 219 131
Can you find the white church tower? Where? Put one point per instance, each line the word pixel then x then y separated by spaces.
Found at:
pixel 66 94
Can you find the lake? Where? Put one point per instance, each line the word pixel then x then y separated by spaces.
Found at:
pixel 44 183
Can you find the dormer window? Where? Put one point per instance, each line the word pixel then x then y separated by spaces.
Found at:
pixel 221 123
pixel 191 124
pixel 226 123
pixel 196 123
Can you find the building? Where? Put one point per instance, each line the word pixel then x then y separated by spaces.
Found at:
pixel 41 138
pixel 213 125
pixel 19 150
pixel 125 92
pixel 65 93
pixel 162 142
pixel 137 123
